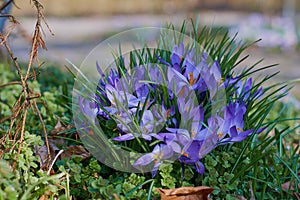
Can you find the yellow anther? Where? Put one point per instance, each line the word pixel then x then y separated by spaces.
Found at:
pixel 187 108
pixel 184 154
pixel 220 135
pixel 193 134
pixel 145 129
pixel 239 129
pixel 167 114
pixel 220 81
pixel 192 80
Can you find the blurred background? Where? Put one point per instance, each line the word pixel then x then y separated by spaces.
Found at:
pixel 80 24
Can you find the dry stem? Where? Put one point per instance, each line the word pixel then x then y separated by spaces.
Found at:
pixel 28 97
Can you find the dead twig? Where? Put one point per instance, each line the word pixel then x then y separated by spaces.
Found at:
pixel 28 97
pixel 10 83
pixel 44 130
pixel 37 40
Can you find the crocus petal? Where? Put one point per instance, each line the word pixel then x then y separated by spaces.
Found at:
pixel 146 137
pixel 166 151
pixel 99 69
pixel 125 137
pixel 144 160
pixel 175 147
pixel 177 54
pixel 165 137
pixel 240 137
pixel 155 168
pixel 199 167
pixel 191 152
pixel 162 60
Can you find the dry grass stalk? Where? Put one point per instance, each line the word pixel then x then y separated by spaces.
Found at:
pixel 27 98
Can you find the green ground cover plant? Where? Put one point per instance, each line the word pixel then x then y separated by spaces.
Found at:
pixel 37 150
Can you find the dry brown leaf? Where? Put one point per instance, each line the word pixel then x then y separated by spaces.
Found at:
pixel 59 128
pixel 43 197
pixel 55 141
pixel 186 193
pixel 75 150
pixel 42 153
pixel 287 186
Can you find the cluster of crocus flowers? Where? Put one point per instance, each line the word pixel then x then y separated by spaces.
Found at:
pixel 168 103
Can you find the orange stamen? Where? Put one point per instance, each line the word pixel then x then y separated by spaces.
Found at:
pixel 193 134
pixel 184 154
pixel 220 81
pixel 220 135
pixel 192 80
pixel 167 114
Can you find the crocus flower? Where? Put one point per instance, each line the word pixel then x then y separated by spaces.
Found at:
pixel 160 152
pixel 196 148
pixel 132 101
pixel 231 128
pixel 88 107
pixel 145 128
pixel 243 90
pixel 177 56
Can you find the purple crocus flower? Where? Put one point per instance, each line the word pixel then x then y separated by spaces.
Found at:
pixel 243 89
pixel 177 56
pixel 230 129
pixel 196 148
pixel 118 98
pixel 112 78
pixel 189 60
pixel 88 107
pixel 200 77
pixel 164 114
pixel 160 152
pixel 190 155
pixel 191 145
pixel 213 78
pixel 145 127
pixel 191 113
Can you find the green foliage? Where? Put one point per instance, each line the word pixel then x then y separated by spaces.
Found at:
pixel 20 176
pixel 90 180
pixel 9 186
pixel 255 168
pixel 26 180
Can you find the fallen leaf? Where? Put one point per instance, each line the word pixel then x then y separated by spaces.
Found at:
pixel 42 153
pixel 287 186
pixel 75 150
pixel 43 197
pixel 59 128
pixel 54 143
pixel 186 193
